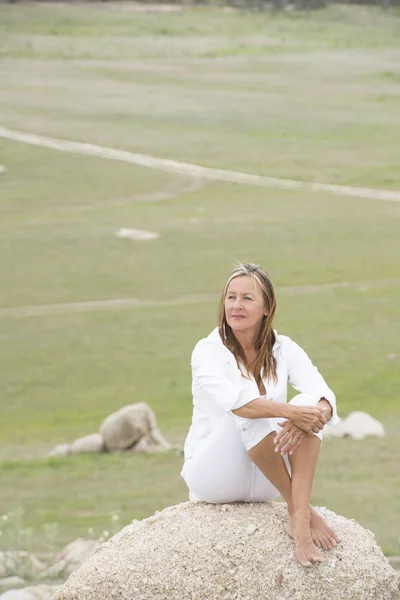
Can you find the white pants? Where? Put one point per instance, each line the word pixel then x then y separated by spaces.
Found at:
pixel 222 471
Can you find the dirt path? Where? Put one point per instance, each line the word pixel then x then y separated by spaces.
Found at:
pixel 173 166
pixel 120 303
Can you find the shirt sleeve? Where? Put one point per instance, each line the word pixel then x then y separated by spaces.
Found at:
pixel 208 371
pixel 305 377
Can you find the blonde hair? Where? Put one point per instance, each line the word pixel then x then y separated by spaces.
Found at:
pixel 266 362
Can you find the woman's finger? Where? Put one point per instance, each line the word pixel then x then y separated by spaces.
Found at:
pixel 286 447
pixel 282 433
pixel 287 440
pixel 282 442
pixel 294 448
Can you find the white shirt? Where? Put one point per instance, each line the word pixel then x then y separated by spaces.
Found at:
pixel 219 386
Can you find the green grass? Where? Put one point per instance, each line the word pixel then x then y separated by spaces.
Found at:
pixel 310 97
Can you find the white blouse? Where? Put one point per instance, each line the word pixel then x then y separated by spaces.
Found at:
pixel 219 386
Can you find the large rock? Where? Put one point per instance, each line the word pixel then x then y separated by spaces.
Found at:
pixel 240 551
pixel 131 424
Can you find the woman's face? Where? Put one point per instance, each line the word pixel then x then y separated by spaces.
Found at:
pixel 244 304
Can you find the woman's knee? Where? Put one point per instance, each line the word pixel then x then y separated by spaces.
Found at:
pixel 304 400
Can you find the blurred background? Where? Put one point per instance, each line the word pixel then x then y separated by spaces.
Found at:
pixel 308 92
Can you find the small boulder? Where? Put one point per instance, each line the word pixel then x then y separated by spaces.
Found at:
pixel 36 592
pixel 357 425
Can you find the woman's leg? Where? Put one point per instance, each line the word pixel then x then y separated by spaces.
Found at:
pixel 294 486
pixel 295 490
pixel 303 464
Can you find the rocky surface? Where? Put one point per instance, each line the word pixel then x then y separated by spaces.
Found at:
pixel 239 551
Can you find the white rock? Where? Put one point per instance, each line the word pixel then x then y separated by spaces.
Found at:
pixel 38 592
pixel 60 450
pixel 136 234
pixel 134 423
pixel 2 169
pixel 195 551
pixel 357 425
pixel 87 444
pixel 7 583
pixel 252 528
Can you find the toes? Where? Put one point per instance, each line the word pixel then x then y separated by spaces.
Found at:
pixel 325 544
pixel 316 558
pixel 315 539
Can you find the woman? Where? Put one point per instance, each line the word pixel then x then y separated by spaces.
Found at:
pixel 246 443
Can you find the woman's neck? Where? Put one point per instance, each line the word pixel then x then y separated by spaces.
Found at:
pixel 248 341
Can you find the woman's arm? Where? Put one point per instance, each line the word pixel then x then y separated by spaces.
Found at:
pixel 263 408
pixel 305 378
pixel 306 418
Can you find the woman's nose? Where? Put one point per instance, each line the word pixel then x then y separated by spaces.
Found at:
pixel 237 303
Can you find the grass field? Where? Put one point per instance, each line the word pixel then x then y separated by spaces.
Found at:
pixel 308 97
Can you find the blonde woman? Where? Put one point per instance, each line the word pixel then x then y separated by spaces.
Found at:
pixel 246 442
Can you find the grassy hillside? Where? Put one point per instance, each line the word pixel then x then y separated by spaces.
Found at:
pixel 314 98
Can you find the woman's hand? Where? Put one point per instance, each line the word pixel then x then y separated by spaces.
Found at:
pixel 290 438
pixel 308 418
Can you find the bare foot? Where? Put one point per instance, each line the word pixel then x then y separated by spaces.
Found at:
pixel 322 535
pixel 307 553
